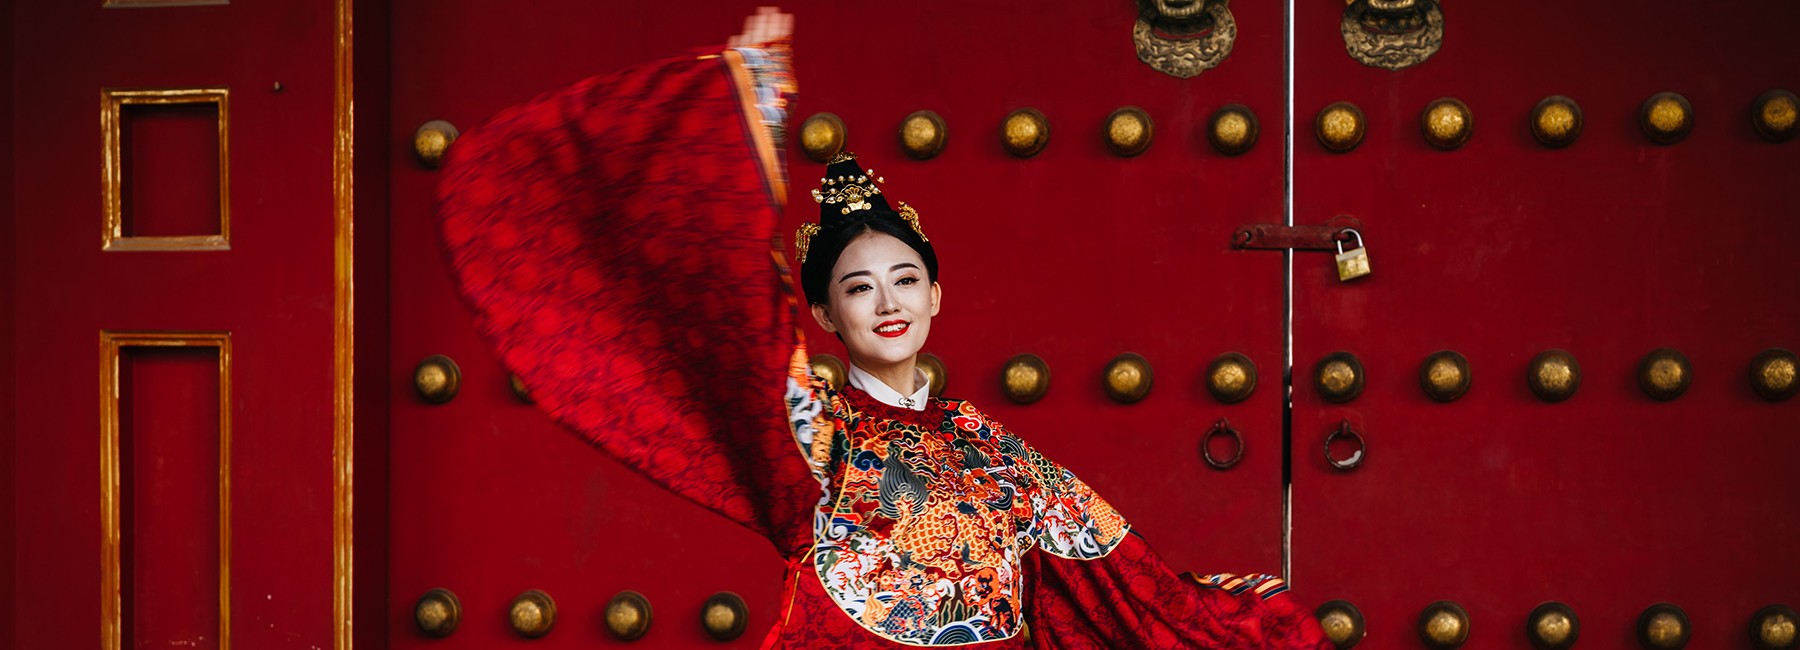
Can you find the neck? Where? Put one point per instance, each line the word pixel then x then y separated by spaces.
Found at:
pixel 898 376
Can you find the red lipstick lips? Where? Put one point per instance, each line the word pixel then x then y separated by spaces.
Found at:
pixel 894 333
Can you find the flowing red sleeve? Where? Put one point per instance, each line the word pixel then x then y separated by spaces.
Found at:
pixel 1131 594
pixel 615 241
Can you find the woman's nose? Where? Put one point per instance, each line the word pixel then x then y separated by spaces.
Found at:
pixel 886 303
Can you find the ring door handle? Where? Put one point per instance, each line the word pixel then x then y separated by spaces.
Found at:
pixel 1344 430
pixel 1221 427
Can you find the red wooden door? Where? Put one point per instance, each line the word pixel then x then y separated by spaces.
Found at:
pixel 1608 248
pixel 178 309
pixel 1076 255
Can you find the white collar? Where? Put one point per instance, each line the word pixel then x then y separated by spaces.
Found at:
pixel 879 389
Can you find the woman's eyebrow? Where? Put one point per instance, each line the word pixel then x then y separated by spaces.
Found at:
pixel 896 267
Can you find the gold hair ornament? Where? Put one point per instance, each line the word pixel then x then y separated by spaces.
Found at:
pixel 803 238
pixel 851 191
pixel 912 218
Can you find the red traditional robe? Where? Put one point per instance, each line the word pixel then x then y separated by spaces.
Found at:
pixel 589 228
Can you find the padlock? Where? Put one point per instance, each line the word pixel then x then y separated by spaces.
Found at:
pixel 1354 264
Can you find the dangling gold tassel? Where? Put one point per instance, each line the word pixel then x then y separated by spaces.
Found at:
pixel 803 238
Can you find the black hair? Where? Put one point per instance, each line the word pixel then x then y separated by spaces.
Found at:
pixel 829 245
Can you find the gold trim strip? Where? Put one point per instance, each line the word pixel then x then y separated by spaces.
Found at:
pixel 765 142
pixel 112 106
pixel 111 600
pixel 343 315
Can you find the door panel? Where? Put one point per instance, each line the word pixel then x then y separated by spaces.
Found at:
pixel 1609 248
pixel 270 293
pixel 1076 255
pixel 171 440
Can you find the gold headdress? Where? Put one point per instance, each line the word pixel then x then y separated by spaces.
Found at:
pixel 846 189
pixel 851 190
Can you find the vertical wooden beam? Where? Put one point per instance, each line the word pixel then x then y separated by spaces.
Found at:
pixel 343 374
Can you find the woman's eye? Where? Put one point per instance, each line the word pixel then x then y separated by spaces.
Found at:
pixel 857 289
pixel 908 281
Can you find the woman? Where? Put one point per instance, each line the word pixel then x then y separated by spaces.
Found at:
pixel 616 240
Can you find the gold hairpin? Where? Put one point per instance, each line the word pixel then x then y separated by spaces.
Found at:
pixel 912 217
pixel 803 238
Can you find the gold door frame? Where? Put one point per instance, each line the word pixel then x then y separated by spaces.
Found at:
pixel 111 346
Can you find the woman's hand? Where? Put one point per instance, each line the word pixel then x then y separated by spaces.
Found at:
pixel 767 26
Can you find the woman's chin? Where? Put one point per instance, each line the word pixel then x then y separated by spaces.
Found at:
pixel 886 353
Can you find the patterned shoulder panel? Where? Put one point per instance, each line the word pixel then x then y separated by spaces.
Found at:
pixel 1068 518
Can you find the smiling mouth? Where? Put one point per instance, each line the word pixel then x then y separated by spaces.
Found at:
pixel 892 328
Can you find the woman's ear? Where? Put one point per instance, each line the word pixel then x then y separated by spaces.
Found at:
pixel 937 297
pixel 822 314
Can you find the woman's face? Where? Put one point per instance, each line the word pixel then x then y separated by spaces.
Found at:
pixel 882 301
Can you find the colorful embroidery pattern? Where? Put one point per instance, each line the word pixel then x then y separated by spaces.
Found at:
pixel 1265 586
pixel 772 78
pixel 927 516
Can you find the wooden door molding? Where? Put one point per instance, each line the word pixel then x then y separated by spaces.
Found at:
pixel 112 347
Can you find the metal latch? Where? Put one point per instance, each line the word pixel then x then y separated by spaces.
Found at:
pixel 1274 236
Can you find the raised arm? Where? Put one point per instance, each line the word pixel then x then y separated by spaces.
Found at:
pixel 616 242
